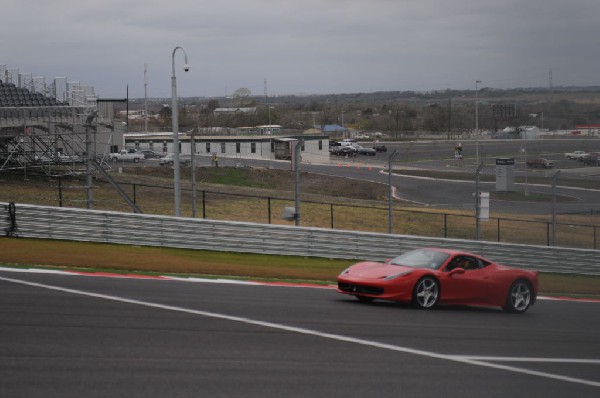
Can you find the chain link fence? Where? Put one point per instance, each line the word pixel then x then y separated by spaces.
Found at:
pixel 70 191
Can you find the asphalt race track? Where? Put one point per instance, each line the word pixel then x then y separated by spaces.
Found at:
pixel 82 336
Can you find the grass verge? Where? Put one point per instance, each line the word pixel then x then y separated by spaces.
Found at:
pixel 99 257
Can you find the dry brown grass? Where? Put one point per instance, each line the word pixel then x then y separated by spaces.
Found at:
pixel 124 258
pixel 226 194
pixel 98 257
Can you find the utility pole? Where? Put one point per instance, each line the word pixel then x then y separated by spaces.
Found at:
pixel 390 160
pixel 297 181
pixel 477 202
pixel 145 100
pixel 554 179
pixel 477 121
pixel 90 155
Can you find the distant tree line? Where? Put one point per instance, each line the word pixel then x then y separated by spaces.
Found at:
pixel 451 111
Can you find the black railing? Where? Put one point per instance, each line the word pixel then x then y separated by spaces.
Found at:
pixel 334 215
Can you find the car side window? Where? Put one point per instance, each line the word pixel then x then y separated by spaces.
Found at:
pixel 471 263
pixel 456 262
pixel 465 262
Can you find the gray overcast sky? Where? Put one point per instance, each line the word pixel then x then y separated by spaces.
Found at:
pixel 303 46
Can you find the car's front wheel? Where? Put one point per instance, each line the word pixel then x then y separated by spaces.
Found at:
pixel 426 292
pixel 520 297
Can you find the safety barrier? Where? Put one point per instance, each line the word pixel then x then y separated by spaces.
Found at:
pixel 46 222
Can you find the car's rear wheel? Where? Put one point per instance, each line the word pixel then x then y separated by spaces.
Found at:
pixel 426 292
pixel 520 297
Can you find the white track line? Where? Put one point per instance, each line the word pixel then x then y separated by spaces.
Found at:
pixel 293 329
pixel 533 359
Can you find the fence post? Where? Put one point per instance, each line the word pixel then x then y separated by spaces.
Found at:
pixel 60 193
pixel 548 233
pixel 134 194
pixel 269 208
pixel 498 229
pixel 203 204
pixel 445 225
pixel 331 214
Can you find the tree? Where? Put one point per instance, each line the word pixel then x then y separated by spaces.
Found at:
pixel 436 118
pixel 165 115
pixel 241 97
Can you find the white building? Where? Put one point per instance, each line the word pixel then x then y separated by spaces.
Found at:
pixel 315 148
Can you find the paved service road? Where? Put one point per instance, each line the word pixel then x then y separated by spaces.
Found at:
pixel 458 194
pixel 453 194
pixel 74 336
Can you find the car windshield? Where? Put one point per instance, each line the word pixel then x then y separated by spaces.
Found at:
pixel 421 258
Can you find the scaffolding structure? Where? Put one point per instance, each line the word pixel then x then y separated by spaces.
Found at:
pixel 44 126
pixel 58 129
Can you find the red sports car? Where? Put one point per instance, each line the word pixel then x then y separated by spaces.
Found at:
pixel 426 277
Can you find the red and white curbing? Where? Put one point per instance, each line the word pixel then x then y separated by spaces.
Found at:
pixel 226 281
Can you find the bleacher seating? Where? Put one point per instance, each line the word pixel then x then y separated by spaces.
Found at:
pixel 12 96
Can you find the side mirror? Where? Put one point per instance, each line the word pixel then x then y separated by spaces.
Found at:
pixel 388 260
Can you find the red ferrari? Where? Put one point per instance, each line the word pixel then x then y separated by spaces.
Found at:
pixel 430 276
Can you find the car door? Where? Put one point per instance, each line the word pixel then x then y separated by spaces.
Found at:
pixel 466 279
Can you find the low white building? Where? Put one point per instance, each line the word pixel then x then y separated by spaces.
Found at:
pixel 315 148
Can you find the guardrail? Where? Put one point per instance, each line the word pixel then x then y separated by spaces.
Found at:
pixel 44 222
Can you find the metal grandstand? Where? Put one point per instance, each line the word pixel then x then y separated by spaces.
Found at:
pixel 57 129
pixel 44 125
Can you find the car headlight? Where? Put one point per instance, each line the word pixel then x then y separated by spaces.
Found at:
pixel 392 277
pixel 344 272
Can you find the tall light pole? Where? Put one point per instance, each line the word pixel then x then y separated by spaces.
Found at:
pixel 270 140
pixel 145 100
pixel 175 118
pixel 390 160
pixel 477 121
pixel 297 149
pixel 193 176
pixel 554 179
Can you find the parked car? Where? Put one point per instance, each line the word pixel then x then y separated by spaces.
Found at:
pixel 576 155
pixel 380 147
pixel 61 158
pixel 126 156
pixel 591 159
pixel 169 160
pixel 333 146
pixel 150 154
pixel 361 150
pixel 430 276
pixel 344 151
pixel 540 163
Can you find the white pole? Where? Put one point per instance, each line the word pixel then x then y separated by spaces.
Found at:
pixel 145 99
pixel 175 118
pixel 477 122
